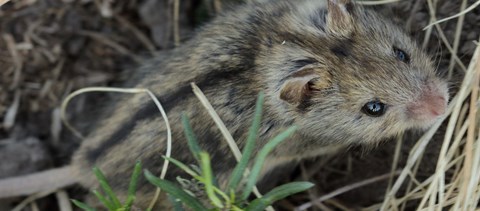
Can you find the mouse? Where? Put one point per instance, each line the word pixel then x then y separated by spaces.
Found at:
pixel 341 73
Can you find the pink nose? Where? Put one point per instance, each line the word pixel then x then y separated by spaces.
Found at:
pixel 428 106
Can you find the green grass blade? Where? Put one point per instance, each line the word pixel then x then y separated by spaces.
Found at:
pixel 208 176
pixel 177 205
pixel 239 170
pixel 260 159
pixel 132 187
pixel 103 200
pixel 235 208
pixel 137 171
pixel 128 204
pixel 197 176
pixel 182 166
pixel 106 187
pixel 191 139
pixel 82 205
pixel 176 192
pixel 277 194
pixel 110 194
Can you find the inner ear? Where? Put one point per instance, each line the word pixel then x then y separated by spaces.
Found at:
pixel 301 85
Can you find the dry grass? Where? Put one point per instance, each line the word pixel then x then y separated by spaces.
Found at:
pixel 2 2
pixel 454 184
pixel 459 156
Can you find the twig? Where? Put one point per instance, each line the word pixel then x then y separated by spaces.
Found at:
pixel 109 42
pixel 105 7
pixel 2 2
pixel 56 125
pixel 17 59
pixel 346 189
pixel 442 36
pixel 63 201
pixel 226 134
pixel 9 119
pixel 176 22
pixel 456 42
pixel 34 206
pixel 376 2
pixel 472 127
pixel 139 34
pixel 415 9
pixel 311 192
pixel 395 162
pixel 32 198
pixel 217 5
pixel 473 6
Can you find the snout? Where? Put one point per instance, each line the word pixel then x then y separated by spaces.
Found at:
pixel 430 104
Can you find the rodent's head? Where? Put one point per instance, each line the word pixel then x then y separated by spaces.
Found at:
pixel 346 74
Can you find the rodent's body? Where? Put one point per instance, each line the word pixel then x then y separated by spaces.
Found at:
pixel 320 63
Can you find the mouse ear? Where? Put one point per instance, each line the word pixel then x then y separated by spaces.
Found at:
pixel 340 17
pixel 300 86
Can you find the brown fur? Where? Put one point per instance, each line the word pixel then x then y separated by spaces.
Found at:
pixel 317 64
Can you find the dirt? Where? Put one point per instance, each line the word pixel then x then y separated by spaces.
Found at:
pixel 50 48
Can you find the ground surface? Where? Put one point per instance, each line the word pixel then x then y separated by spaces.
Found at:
pixel 49 48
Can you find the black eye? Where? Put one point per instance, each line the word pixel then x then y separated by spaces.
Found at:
pixel 374 108
pixel 401 55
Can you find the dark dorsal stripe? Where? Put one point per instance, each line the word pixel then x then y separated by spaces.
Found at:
pixel 150 110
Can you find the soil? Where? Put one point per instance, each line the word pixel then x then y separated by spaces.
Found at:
pixel 49 48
